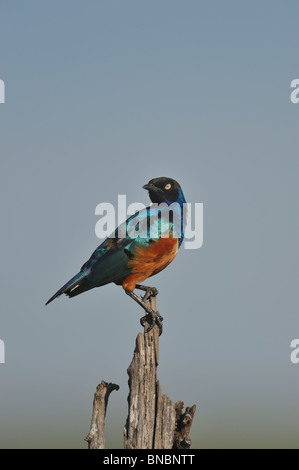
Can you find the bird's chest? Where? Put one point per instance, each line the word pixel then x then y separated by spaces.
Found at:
pixel 155 257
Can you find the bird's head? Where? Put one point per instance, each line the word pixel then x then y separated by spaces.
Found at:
pixel 164 189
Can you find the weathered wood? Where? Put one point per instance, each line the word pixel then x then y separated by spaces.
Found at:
pixel 165 421
pixel 183 426
pixel 95 438
pixel 154 421
pixel 140 425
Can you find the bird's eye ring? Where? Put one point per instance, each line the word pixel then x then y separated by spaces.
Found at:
pixel 168 186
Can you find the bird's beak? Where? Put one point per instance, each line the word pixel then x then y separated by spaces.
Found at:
pixel 152 187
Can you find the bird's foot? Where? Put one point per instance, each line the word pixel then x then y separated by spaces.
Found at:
pixel 149 291
pixel 152 318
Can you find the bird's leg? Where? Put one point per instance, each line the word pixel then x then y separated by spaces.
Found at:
pixel 152 317
pixel 149 291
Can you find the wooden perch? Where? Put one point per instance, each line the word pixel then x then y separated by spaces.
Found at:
pixel 95 438
pixel 154 421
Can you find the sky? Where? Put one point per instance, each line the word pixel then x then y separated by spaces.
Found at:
pixel 100 97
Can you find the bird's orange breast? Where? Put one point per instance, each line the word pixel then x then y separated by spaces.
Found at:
pixel 150 260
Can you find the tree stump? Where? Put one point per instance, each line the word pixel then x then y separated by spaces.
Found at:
pixel 154 421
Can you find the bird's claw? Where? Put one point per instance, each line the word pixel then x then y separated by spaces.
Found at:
pixel 152 318
pixel 150 292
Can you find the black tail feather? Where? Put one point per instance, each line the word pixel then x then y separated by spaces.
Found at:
pixel 74 287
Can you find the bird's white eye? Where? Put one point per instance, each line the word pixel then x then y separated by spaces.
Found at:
pixel 168 186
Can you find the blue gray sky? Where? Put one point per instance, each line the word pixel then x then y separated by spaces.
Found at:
pixel 101 97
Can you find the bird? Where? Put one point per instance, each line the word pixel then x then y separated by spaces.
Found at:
pixel 129 260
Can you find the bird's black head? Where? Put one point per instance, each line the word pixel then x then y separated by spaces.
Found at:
pixel 164 189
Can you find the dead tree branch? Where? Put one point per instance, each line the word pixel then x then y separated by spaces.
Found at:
pixel 95 438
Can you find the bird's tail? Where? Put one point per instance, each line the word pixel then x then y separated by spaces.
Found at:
pixel 73 287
